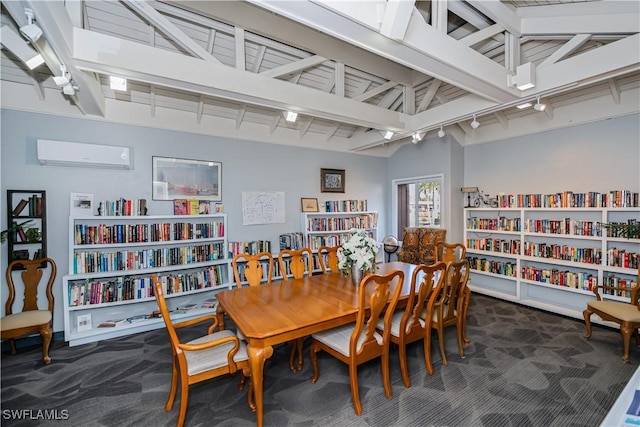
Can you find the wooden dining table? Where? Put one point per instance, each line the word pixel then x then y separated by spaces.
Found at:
pixel 284 311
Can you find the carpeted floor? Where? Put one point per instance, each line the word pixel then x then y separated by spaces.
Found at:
pixel 523 368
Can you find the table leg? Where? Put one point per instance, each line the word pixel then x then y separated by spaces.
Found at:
pixel 257 356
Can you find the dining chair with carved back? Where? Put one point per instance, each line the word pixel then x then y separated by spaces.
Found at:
pixel 455 252
pixel 252 267
pixel 328 257
pixel 412 322
pixel 360 342
pixel 295 263
pixel 31 318
pixel 449 307
pixel 210 356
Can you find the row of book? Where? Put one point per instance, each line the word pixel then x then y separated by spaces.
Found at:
pixel 494 224
pixel 495 245
pixel 251 247
pixel 619 229
pixel 345 205
pixel 100 262
pixel 570 199
pixel 554 276
pixel 29 207
pixel 195 207
pixel 491 266
pixel 315 242
pixel 102 291
pixel 122 207
pixel 566 226
pixel 293 241
pixel 621 258
pixel 143 233
pixel 563 252
pixel 343 224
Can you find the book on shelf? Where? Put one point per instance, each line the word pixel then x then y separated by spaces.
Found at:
pixel 210 303
pixel 204 207
pixel 20 207
pixel 180 207
pixel 138 318
pixel 194 207
pixel 20 232
pixel 184 308
pixel 112 323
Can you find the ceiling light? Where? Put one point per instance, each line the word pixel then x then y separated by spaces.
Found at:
pixel 525 105
pixel 118 83
pixel 539 106
pixel 30 31
pixel 526 76
pixel 64 78
pixel 290 116
pixel 417 137
pixel 388 135
pixel 475 123
pixel 69 89
pixel 441 133
pixel 16 45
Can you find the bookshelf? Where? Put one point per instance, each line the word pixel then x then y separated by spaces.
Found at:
pixel 111 260
pixel 549 257
pixel 28 207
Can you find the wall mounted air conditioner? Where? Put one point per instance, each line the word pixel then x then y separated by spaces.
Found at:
pixel 61 153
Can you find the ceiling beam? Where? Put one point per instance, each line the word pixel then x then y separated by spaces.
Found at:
pixel 292 67
pixel 396 18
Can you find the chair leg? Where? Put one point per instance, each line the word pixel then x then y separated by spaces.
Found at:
pixel 46 333
pixel 12 344
pixel 296 349
pixel 427 350
pixel 184 399
pixel 404 369
pixel 250 397
pixel 587 321
pixel 440 328
pixel 174 385
pixel 313 350
pixel 355 395
pixel 465 309
pixel 460 335
pixel 241 383
pixel 386 381
pixel 626 330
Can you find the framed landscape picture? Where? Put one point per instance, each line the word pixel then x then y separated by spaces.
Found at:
pixel 332 180
pixel 186 179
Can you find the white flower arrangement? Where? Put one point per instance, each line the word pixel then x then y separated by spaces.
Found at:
pixel 360 250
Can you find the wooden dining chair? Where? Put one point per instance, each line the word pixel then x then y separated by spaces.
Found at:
pixel 252 266
pixel 449 309
pixel 328 257
pixel 297 264
pixel 30 318
pixel 361 342
pixel 414 321
pixel 210 356
pixel 455 252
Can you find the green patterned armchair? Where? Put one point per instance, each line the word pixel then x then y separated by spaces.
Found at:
pixel 419 244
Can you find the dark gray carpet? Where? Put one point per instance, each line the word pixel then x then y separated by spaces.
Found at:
pixel 523 368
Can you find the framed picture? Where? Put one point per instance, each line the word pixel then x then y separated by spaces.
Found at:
pixel 309 205
pixel 83 322
pixel 332 180
pixel 186 179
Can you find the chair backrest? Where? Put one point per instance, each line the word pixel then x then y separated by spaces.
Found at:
pixel 31 275
pixel 164 311
pixel 253 268
pixel 454 287
pixel 328 257
pixel 450 252
pixel 295 263
pixel 426 284
pixel 419 244
pixel 375 299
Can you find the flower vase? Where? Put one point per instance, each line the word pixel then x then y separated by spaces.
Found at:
pixel 356 275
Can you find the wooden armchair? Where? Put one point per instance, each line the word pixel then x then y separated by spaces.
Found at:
pixel 30 318
pixel 414 321
pixel 625 314
pixel 209 356
pixel 297 264
pixel 328 257
pixel 419 244
pixel 361 342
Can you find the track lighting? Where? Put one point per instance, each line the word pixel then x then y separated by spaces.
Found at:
pixel 64 78
pixel 441 133
pixel 417 137
pixel 16 45
pixel 30 31
pixel 539 106
pixel 388 135
pixel 118 83
pixel 475 123
pixel 523 106
pixel 290 116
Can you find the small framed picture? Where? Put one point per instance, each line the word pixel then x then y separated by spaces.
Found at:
pixel 309 205
pixel 83 322
pixel 332 180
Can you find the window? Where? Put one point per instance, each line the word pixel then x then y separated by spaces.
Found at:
pixel 418 202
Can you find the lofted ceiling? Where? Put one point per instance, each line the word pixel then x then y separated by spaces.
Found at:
pixel 352 70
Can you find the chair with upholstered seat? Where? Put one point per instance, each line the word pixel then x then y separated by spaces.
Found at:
pixel 328 257
pixel 455 252
pixel 355 344
pixel 253 268
pixel 31 318
pixel 625 314
pixel 210 356
pixel 414 321
pixel 297 264
pixel 449 309
pixel 419 244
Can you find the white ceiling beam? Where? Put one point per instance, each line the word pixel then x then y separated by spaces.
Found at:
pixel 339 78
pixel 375 91
pixel 566 49
pixel 240 53
pixel 615 90
pixel 481 35
pixel 428 96
pixel 500 14
pixel 105 54
pixel 240 115
pixel 409 100
pixel 439 15
pixel 304 126
pixel 592 24
pixel 469 14
pixel 200 109
pixel 396 18
pixel 292 67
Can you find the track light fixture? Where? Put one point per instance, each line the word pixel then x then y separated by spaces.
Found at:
pixel 539 106
pixel 290 116
pixel 441 133
pixel 417 137
pixel 388 135
pixel 16 45
pixel 64 78
pixel 475 123
pixel 30 31
pixel 118 83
